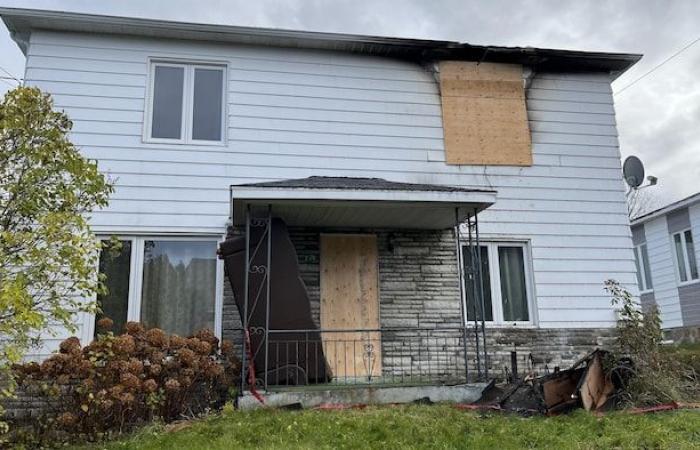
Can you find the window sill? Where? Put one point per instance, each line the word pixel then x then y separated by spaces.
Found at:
pixel 650 291
pixel 688 283
pixel 188 143
pixel 505 325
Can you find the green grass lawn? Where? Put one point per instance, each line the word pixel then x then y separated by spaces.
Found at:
pixel 420 426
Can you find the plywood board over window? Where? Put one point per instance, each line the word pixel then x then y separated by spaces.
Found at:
pixel 484 114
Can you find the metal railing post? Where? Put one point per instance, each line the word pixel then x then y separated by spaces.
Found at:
pixel 244 358
pixel 462 297
pixel 472 286
pixel 267 282
pixel 481 295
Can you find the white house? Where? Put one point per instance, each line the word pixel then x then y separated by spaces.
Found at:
pixel 402 137
pixel 667 261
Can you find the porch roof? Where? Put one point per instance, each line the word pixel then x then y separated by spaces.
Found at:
pixel 361 202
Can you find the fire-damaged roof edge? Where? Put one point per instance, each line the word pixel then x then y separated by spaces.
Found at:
pixel 317 182
pixel 21 22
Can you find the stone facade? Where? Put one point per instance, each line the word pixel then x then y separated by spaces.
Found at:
pixel 683 335
pixel 418 288
pixel 22 407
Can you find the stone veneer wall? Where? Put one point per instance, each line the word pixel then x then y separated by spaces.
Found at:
pixel 418 288
pixel 683 335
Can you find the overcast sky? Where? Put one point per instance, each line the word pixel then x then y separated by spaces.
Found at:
pixel 658 118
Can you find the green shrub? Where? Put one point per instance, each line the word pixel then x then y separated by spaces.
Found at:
pixel 657 375
pixel 118 382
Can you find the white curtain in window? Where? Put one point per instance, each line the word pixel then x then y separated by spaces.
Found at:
pixel 179 285
pixel 513 285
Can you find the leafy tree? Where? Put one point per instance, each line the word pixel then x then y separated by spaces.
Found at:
pixel 48 253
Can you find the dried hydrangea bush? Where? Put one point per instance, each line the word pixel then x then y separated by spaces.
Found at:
pixel 118 382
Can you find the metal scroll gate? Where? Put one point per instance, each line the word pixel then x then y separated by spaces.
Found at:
pixel 443 354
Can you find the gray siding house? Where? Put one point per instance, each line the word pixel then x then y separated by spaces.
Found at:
pixel 372 151
pixel 667 258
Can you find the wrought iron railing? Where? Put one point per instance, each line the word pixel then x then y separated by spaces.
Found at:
pixel 351 357
pixel 274 357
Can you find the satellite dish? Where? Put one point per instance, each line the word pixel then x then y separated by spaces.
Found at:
pixel 633 171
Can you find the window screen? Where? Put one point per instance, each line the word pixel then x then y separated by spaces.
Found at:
pixel 207 104
pixel 168 86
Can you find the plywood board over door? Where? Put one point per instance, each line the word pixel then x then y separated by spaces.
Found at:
pixel 350 301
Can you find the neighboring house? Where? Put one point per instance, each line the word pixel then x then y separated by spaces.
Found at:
pixel 667 261
pixel 403 138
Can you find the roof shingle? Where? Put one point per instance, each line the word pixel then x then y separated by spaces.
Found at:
pixel 353 183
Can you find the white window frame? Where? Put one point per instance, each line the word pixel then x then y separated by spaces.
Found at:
pixel 136 278
pixel 495 279
pixel 643 289
pixel 187 101
pixel 686 260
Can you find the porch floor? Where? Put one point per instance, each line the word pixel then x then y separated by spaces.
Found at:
pixel 310 397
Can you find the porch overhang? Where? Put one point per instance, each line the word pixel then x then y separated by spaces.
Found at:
pixel 341 202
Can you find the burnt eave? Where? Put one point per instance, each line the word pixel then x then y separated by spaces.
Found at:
pixel 21 22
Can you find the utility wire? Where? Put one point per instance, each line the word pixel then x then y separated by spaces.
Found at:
pixel 4 80
pixel 657 66
pixel 10 75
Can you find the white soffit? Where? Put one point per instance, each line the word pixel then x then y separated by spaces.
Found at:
pixel 344 208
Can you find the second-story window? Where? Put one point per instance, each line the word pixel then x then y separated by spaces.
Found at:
pixel 641 259
pixel 684 249
pixel 186 103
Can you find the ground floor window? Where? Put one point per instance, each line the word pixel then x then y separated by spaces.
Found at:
pixel 506 283
pixel 641 259
pixel 685 256
pixel 169 283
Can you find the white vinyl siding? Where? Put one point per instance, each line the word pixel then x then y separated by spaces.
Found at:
pixel 293 113
pixel 663 271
